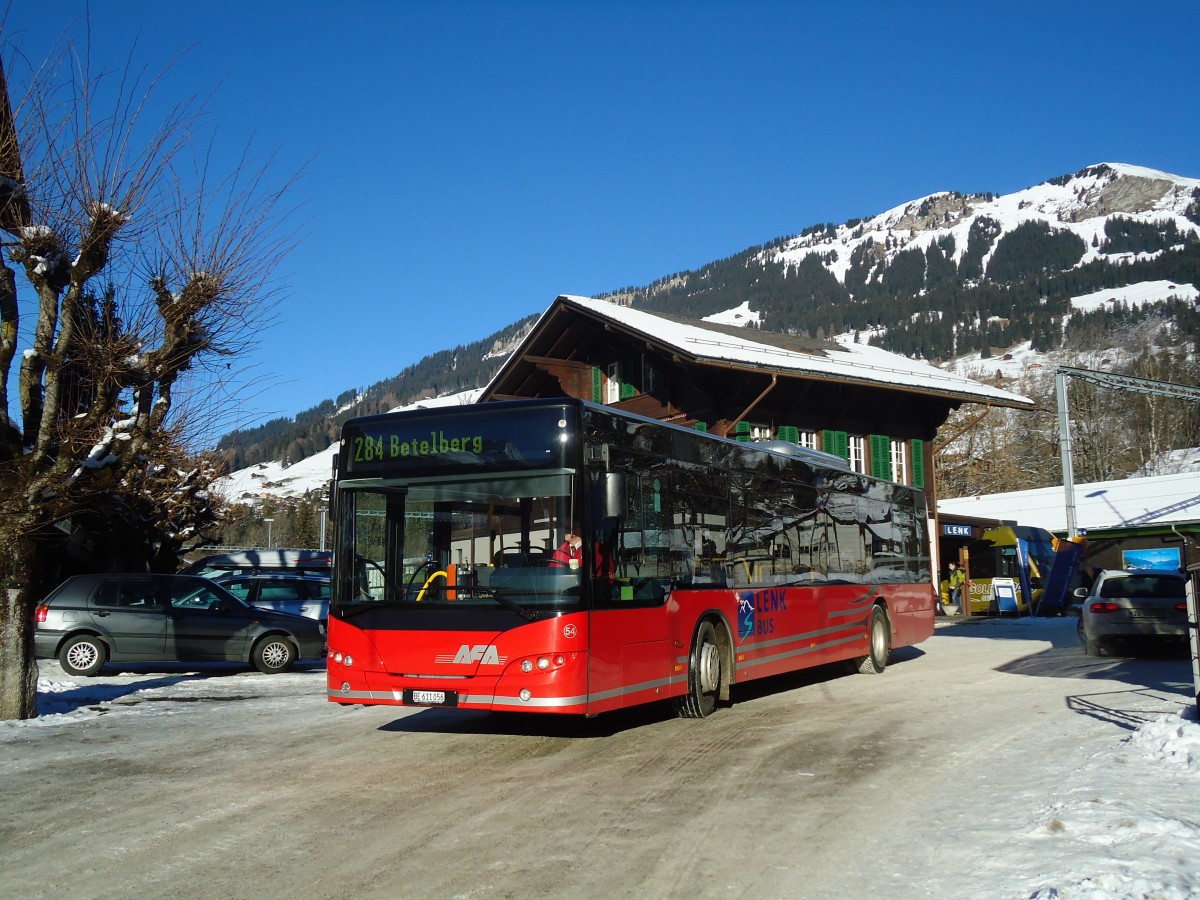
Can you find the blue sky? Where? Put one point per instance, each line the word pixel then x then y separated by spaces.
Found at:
pixel 466 162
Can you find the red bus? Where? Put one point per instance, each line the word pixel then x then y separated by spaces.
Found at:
pixel 705 562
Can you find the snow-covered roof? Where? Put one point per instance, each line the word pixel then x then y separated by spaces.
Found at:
pixel 1156 501
pixel 844 361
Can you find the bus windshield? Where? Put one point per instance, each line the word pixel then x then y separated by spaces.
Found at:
pixel 456 543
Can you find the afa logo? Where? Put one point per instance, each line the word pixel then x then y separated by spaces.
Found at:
pixel 484 654
pixel 745 614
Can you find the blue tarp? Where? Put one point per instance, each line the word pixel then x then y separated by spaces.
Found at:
pixel 1066 559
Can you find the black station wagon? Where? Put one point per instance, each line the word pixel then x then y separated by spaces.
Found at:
pixel 89 620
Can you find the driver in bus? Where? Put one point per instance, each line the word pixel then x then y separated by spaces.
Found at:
pixel 570 552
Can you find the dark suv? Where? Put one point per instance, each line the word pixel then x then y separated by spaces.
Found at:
pixel 92 619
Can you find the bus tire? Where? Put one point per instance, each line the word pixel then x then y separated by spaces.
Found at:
pixel 704 675
pixel 879 636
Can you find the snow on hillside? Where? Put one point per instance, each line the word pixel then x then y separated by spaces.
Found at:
pixel 1136 295
pixel 738 316
pixel 1079 203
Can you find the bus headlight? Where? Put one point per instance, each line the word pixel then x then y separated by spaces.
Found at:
pixel 543 663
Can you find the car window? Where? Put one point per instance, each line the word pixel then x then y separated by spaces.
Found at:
pixel 1136 586
pixel 280 591
pixel 138 594
pixel 240 587
pixel 188 595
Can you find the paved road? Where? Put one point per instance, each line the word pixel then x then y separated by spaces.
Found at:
pixel 819 785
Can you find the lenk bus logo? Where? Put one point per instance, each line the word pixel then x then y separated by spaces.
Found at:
pixel 756 611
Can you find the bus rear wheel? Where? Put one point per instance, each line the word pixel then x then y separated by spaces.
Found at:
pixel 704 675
pixel 879 634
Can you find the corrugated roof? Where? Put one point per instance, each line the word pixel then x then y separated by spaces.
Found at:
pixel 1131 502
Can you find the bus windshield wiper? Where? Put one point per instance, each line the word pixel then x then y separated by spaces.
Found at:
pixel 527 614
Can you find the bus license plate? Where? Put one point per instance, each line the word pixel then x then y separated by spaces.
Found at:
pixel 431 698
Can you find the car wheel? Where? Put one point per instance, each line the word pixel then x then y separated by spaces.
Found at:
pixel 274 653
pixel 1090 647
pixel 84 654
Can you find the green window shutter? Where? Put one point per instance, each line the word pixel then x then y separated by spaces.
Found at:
pixel 835 442
pixel 742 431
pixel 597 385
pixel 627 391
pixel 881 456
pixel 789 433
pixel 917 449
pixel 701 426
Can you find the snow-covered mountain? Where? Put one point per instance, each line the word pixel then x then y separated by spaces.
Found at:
pixel 1081 203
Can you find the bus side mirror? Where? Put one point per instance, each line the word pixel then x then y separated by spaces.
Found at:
pixel 613 497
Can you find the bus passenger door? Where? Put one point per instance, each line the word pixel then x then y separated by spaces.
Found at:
pixel 630 654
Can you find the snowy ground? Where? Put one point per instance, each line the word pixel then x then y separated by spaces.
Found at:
pixel 1077 779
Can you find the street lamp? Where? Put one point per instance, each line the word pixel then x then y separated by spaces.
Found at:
pixel 268 521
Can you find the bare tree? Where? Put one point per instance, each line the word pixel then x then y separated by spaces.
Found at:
pixel 135 278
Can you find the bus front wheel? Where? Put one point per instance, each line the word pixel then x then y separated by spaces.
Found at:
pixel 704 675
pixel 880 637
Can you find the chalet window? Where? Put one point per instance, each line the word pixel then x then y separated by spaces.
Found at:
pixel 899 462
pixel 856 446
pixel 612 387
pixel 652 378
pixel 748 431
pixel 835 442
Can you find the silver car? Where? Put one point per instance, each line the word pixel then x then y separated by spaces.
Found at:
pixel 89 620
pixel 300 595
pixel 1132 606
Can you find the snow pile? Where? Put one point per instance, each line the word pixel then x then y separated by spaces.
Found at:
pixel 1175 739
pixel 1124 827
